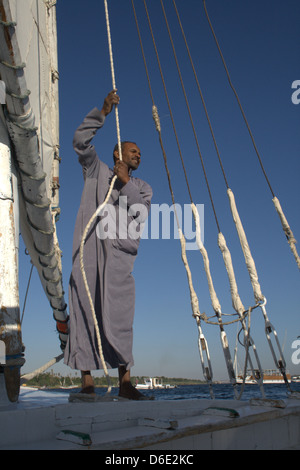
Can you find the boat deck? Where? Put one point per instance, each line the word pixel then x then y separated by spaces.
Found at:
pixel 40 416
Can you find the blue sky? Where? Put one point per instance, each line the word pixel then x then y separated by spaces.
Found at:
pixel 260 43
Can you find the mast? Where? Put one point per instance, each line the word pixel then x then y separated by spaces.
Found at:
pixel 10 329
pixel 30 128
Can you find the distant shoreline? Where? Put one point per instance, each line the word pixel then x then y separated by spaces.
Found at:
pixel 64 383
pixel 180 383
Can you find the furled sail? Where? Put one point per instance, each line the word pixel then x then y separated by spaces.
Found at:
pixel 28 66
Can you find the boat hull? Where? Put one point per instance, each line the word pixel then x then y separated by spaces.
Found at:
pixel 268 378
pixel 200 424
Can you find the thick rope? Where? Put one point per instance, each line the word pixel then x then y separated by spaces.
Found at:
pixel 100 208
pixel 246 249
pixel 236 300
pixel 214 298
pixel 287 230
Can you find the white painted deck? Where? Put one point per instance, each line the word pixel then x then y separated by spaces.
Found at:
pixel 40 416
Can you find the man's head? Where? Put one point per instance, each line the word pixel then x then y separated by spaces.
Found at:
pixel 131 154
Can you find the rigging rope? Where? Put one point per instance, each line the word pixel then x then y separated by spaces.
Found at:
pixel 221 240
pixel 225 251
pixel 202 343
pixel 260 299
pixel 27 289
pixel 190 116
pixel 222 244
pixel 214 299
pixel 286 228
pixel 100 208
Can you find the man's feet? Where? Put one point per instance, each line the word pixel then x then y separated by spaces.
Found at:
pixel 87 383
pixel 127 390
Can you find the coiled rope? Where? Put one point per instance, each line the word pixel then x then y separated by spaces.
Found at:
pixel 100 208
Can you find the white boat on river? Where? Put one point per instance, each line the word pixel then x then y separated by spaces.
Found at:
pixel 153 383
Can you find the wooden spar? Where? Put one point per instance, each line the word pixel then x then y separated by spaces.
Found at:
pixel 32 122
pixel 10 329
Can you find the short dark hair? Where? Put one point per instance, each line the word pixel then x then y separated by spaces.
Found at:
pixel 116 147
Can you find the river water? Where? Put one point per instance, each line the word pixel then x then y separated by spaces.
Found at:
pixel 221 391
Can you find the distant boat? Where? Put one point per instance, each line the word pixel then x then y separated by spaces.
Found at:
pixel 270 376
pixel 153 383
pixel 296 378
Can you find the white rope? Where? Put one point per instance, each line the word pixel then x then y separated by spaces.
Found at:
pixel 260 299
pixel 98 211
pixel 287 230
pixel 202 343
pixel 214 299
pixel 246 249
pixel 240 309
pixel 156 118
pixel 236 300
pixel 113 75
pixel 193 295
pixel 100 208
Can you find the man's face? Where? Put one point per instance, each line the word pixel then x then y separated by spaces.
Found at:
pixel 131 155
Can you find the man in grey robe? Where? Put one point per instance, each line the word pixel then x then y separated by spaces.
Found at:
pixel 108 257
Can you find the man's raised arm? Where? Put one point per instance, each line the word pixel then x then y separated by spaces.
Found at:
pixel 87 130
